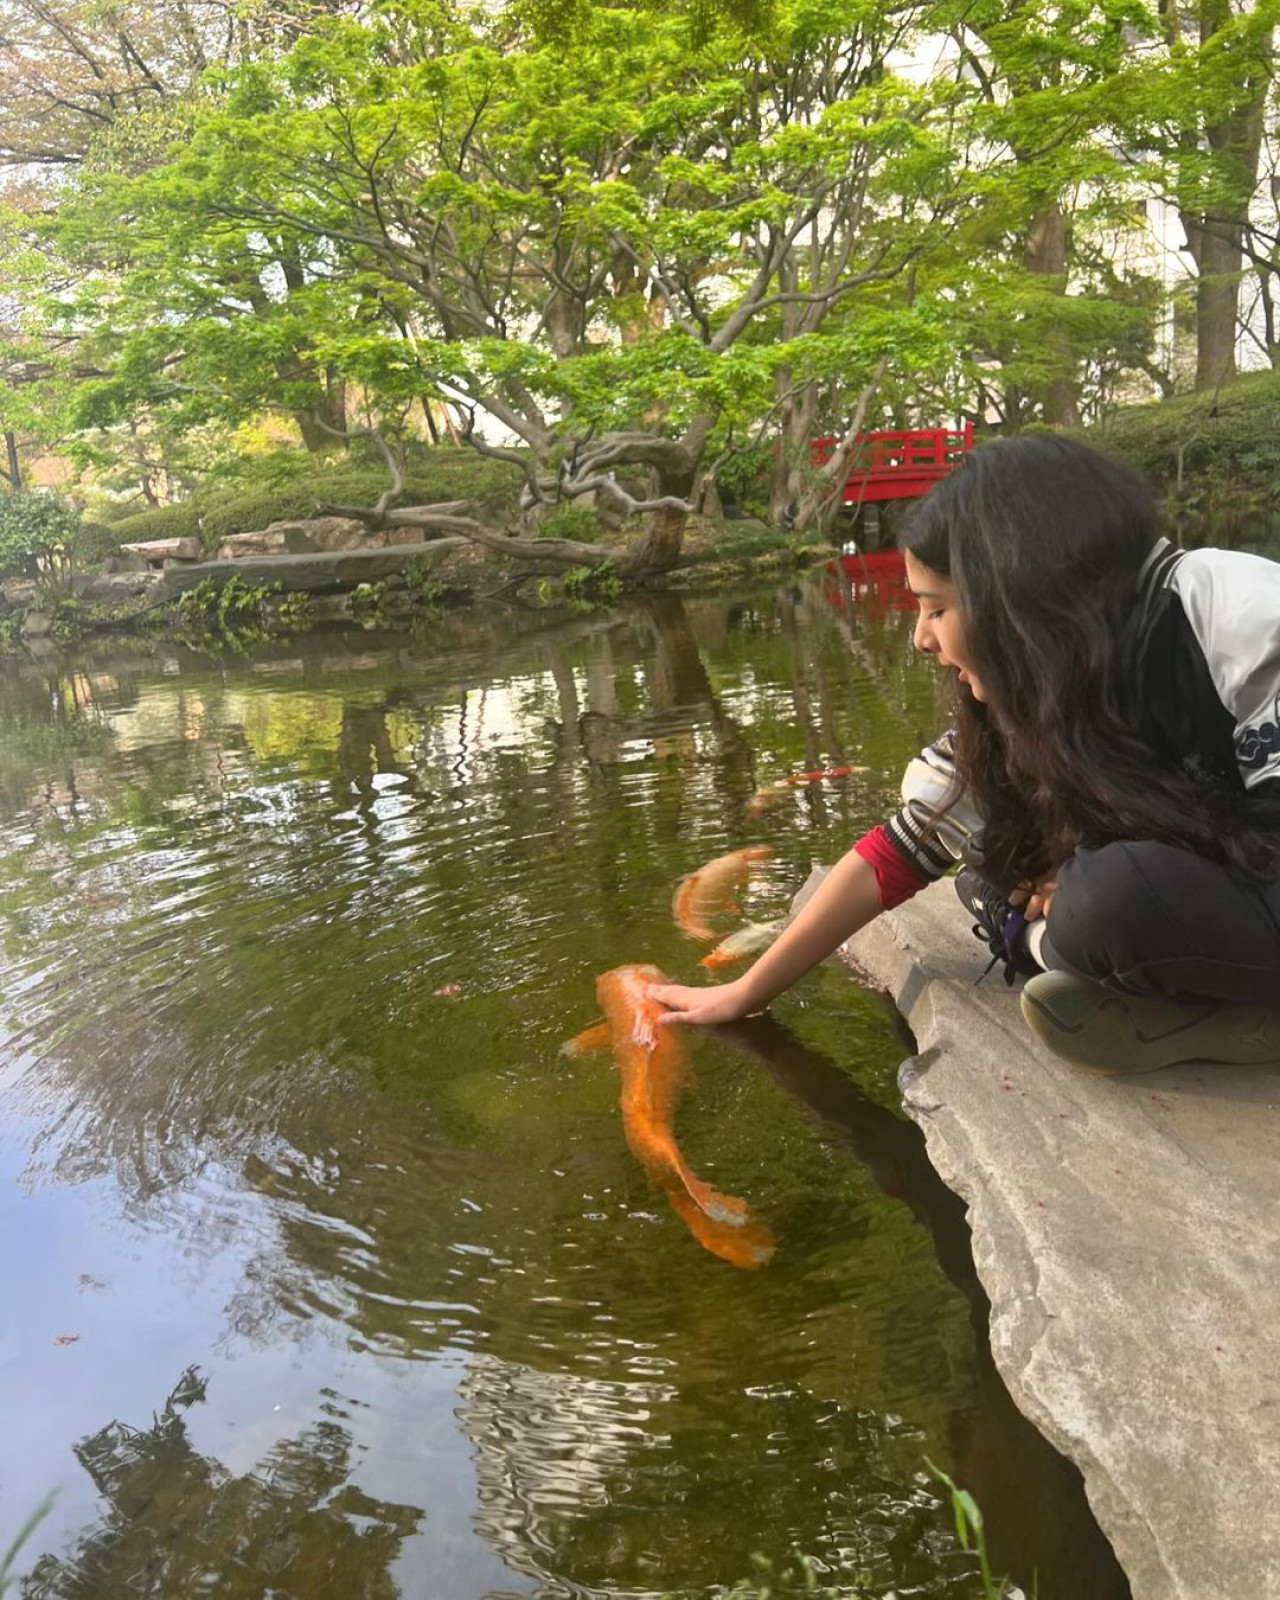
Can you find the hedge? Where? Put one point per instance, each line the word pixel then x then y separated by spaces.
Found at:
pixel 1234 436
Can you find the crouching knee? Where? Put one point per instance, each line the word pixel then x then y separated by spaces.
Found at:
pixel 1103 907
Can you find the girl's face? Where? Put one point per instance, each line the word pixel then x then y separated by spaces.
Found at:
pixel 940 627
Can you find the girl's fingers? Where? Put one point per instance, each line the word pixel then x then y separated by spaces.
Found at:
pixel 678 1002
pixel 697 1006
pixel 1034 899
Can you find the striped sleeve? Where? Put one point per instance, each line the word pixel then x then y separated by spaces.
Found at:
pixel 937 822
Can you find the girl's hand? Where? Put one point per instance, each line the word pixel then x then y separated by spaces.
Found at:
pixel 1035 899
pixel 717 1002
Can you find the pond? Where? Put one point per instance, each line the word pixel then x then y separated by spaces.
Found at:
pixel 327 1273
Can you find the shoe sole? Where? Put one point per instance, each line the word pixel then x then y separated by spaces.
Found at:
pixel 1112 1032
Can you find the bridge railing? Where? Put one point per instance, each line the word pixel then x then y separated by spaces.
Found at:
pixel 897 464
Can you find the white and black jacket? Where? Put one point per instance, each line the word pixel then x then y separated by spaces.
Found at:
pixel 1205 661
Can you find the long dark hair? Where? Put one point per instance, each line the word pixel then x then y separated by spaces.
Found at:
pixel 1043 540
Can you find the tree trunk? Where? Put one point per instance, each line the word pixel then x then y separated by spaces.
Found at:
pixel 1045 253
pixel 1216 240
pixel 334 406
pixel 792 468
pixel 314 438
pixel 14 471
pixel 1219 261
pixel 663 538
pixel 562 318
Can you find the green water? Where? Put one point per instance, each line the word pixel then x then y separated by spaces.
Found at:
pixel 326 1273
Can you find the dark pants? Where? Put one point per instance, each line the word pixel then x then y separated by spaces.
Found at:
pixel 1155 920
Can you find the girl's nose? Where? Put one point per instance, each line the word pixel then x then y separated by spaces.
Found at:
pixel 922 636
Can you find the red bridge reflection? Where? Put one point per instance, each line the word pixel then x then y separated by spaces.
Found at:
pixel 875 584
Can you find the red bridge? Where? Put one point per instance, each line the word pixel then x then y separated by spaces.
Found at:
pixel 896 466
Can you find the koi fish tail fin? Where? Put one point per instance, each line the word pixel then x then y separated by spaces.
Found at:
pixel 725 1208
pixel 747 1244
pixel 660 1156
pixel 747 941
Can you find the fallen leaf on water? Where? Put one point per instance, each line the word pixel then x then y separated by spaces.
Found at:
pixel 66 1338
pixel 449 991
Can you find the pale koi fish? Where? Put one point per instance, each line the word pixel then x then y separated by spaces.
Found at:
pixel 764 798
pixel 713 888
pixel 748 941
pixel 652 1062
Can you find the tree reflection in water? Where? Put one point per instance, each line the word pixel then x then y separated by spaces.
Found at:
pixel 178 1523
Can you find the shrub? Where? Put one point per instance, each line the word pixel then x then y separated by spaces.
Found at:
pixel 165 522
pixel 568 520
pixel 37 534
pixel 592 586
pixel 91 544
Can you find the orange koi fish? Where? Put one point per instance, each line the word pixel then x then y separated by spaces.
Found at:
pixel 748 941
pixel 652 1062
pixel 764 798
pixel 711 889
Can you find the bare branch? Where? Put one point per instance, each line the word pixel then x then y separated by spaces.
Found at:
pixel 500 453
pixel 395 466
pixel 829 490
pixel 607 484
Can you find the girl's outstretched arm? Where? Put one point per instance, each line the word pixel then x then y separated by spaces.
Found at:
pixel 846 900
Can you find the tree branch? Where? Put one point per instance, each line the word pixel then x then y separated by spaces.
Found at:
pixel 567 552
pixel 395 466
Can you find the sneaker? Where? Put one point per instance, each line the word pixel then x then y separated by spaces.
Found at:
pixel 1000 926
pixel 1094 1026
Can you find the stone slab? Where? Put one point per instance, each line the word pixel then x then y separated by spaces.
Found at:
pixel 280 539
pixel 315 573
pixel 159 551
pixel 1127 1233
pixel 322 533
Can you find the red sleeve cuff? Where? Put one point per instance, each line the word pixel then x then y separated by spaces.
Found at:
pixel 894 878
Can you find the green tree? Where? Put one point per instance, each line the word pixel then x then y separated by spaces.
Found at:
pixel 610 255
pixel 72 69
pixel 1047 296
pixel 1195 109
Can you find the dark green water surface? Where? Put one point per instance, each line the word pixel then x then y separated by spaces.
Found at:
pixel 326 1273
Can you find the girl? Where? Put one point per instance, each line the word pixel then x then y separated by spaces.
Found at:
pixel 1113 773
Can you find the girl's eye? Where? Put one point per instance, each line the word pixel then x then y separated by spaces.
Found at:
pixel 934 615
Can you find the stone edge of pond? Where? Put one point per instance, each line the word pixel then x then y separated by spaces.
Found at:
pixel 125 604
pixel 1126 1231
